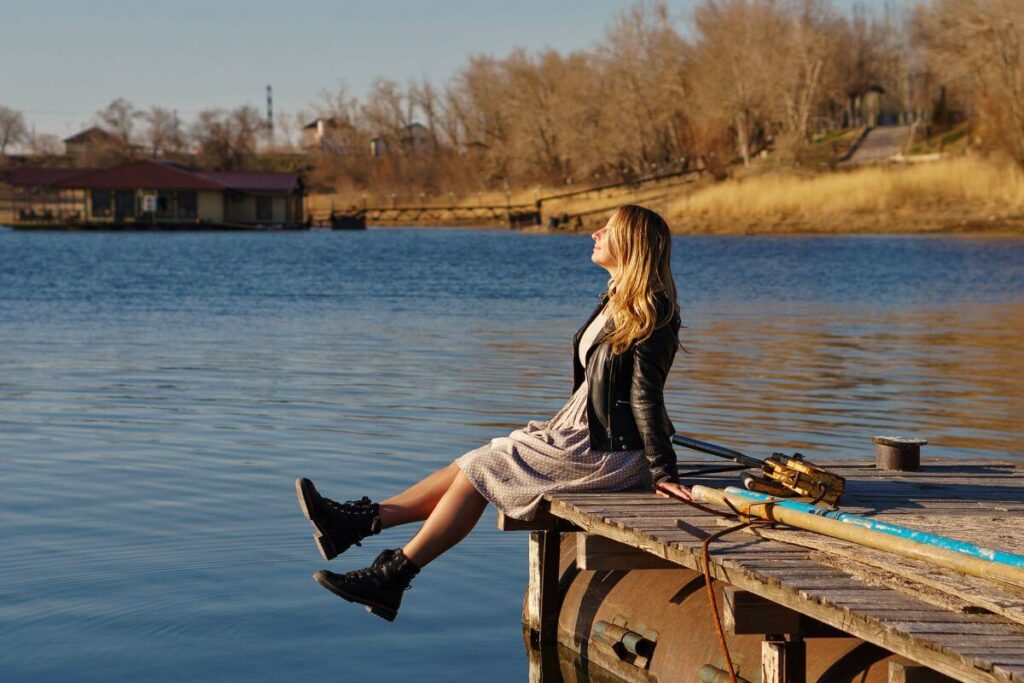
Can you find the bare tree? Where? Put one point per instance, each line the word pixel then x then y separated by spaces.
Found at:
pixel 741 76
pixel 424 97
pixel 45 145
pixel 227 138
pixel 539 142
pixel 345 134
pixel 337 104
pixel 979 45
pixel 482 120
pixel 800 69
pixel 645 99
pixel 12 128
pixel 387 112
pixel 285 132
pixel 163 132
pixel 118 119
pixel 731 58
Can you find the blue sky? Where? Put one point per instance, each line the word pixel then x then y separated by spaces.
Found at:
pixel 61 61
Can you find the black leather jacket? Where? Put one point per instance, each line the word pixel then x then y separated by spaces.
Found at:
pixel 625 403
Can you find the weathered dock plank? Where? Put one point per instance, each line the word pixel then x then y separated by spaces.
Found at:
pixel 892 570
pixel 803 575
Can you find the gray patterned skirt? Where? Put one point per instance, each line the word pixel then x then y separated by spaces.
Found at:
pixel 513 472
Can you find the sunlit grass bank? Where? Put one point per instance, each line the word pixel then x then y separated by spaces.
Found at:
pixel 966 192
pixel 961 194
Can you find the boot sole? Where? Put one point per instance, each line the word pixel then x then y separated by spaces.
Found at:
pixel 304 492
pixel 373 608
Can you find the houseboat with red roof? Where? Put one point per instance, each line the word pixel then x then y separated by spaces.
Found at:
pixel 152 194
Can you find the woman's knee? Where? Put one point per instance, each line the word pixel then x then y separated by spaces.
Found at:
pixel 465 487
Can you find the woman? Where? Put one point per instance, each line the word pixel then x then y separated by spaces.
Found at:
pixel 613 434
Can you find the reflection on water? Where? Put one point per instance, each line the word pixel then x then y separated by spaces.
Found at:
pixel 159 392
pixel 824 386
pixel 555 663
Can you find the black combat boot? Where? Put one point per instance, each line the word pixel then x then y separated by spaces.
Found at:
pixel 379 586
pixel 338 525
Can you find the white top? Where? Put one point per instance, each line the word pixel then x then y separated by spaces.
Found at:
pixel 590 334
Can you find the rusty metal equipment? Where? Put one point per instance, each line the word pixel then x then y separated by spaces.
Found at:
pixel 783 475
pixel 645 626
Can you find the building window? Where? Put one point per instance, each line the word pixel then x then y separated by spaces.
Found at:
pixel 100 200
pixel 164 205
pixel 124 204
pixel 264 208
pixel 187 205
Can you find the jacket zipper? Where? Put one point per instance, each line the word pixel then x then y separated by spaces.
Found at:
pixel 611 393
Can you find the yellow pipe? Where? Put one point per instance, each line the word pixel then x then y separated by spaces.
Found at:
pixel 941 557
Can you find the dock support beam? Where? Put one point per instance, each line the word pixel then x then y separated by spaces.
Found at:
pixel 542 598
pixel 748 614
pixel 598 553
pixel 909 672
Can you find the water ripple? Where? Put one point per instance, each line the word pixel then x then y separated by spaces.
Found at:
pixel 160 393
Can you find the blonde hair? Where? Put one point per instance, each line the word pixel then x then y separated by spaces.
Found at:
pixel 642 246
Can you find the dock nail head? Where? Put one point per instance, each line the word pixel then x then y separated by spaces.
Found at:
pixel 898 453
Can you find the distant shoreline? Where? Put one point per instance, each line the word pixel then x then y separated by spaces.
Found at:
pixel 978 228
pixel 963 195
pixel 958 195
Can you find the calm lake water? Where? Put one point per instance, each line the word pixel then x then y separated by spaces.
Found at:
pixel 160 392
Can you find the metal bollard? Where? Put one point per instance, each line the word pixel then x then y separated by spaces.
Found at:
pixel 898 453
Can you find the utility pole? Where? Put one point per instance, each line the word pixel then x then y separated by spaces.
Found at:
pixel 270 115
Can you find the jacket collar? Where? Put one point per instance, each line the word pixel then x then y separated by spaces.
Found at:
pixel 608 326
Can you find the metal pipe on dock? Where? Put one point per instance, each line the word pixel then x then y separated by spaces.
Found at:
pixel 632 642
pixel 964 547
pixel 774 512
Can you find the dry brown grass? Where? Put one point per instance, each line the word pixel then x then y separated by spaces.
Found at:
pixel 927 196
pixel 594 207
pixel 959 194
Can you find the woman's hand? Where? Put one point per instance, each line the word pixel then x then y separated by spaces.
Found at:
pixel 668 489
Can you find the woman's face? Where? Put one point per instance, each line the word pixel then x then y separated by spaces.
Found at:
pixel 602 255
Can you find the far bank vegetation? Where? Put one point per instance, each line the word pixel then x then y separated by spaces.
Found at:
pixel 961 194
pixel 732 87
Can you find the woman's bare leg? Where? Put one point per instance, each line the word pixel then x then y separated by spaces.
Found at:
pixel 417 502
pixel 453 517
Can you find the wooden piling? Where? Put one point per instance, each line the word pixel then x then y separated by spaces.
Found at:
pixel 783 661
pixel 542 590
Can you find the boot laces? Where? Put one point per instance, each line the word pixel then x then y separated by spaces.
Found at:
pixel 363 573
pixel 351 507
pixel 374 570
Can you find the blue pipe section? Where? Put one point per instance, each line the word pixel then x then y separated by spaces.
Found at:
pixel 963 547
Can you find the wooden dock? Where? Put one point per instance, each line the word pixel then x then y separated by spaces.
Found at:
pixel 511 215
pixel 966 628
